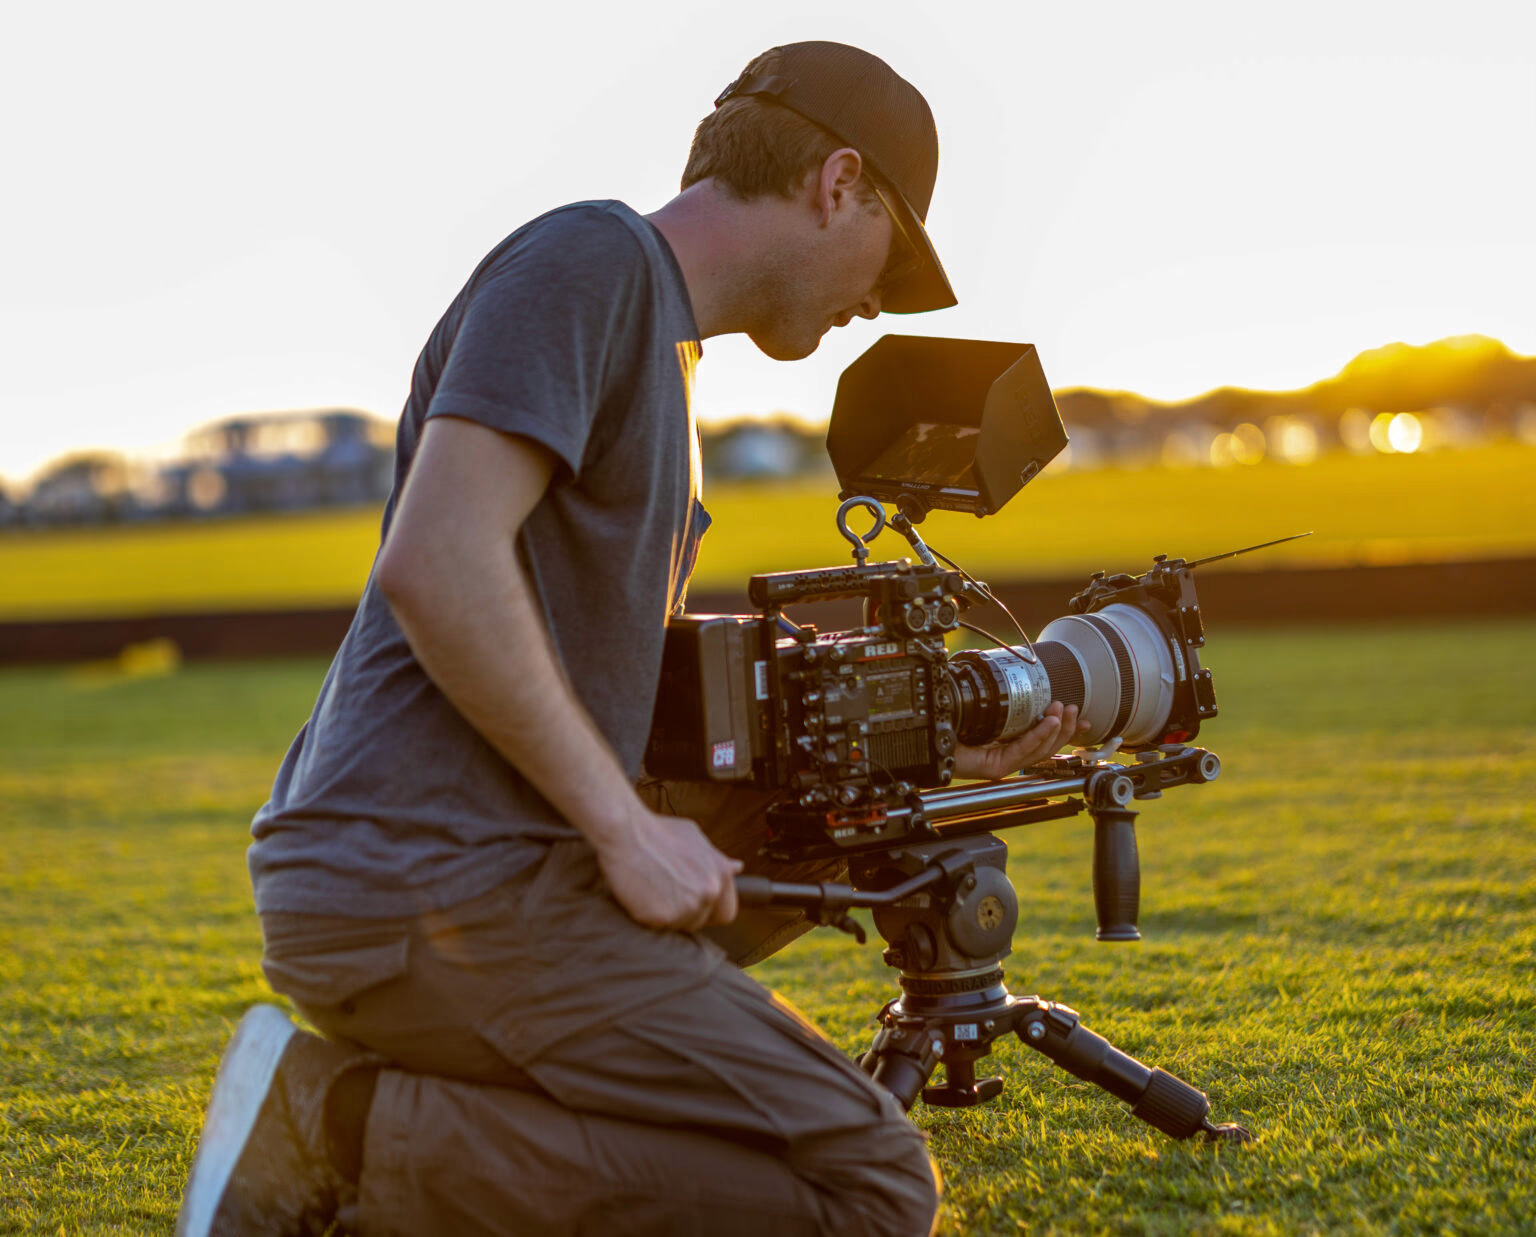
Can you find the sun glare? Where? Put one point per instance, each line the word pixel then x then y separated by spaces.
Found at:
pixel 1396 433
pixel 1244 445
pixel 1292 439
pixel 1405 433
pixel 1377 433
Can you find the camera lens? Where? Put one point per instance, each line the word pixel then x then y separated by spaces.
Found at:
pixel 1116 665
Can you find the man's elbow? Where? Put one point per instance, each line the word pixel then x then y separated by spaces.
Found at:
pixel 425 578
pixel 403 574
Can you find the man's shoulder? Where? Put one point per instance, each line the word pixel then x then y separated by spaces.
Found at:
pixel 600 217
pixel 597 232
pixel 599 260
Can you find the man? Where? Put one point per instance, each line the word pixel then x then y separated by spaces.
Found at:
pixel 527 1028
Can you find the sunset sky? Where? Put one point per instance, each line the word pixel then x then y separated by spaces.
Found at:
pixel 213 209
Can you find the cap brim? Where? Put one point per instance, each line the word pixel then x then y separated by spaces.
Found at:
pixel 927 287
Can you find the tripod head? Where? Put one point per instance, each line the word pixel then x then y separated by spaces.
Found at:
pixel 947 911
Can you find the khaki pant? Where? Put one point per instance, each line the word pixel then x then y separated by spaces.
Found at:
pixel 558 1068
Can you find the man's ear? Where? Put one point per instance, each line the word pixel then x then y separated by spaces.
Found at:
pixel 840 171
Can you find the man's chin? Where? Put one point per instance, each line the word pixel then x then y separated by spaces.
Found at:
pixel 779 349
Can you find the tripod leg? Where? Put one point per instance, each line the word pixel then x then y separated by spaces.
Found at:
pixel 1167 1103
pixel 903 1057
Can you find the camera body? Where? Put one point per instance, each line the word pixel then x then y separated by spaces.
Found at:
pixel 849 725
pixel 828 716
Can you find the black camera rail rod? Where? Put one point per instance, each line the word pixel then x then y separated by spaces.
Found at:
pixel 1105 784
pixel 991 797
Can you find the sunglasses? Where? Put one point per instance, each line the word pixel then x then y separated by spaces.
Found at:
pixel 905 257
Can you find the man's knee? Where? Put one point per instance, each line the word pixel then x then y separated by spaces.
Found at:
pixel 880 1182
pixel 909 1190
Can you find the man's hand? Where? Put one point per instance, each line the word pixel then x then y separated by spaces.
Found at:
pixel 1054 731
pixel 666 874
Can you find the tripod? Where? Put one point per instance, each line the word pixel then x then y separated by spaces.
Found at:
pixel 947 911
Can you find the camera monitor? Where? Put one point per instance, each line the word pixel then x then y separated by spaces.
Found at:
pixel 957 424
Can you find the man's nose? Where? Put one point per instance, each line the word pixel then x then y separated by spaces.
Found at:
pixel 869 307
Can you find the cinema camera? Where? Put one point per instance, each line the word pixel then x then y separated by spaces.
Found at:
pixel 857 729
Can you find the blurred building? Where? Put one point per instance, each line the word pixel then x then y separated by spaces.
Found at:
pixel 86 488
pixel 10 509
pixel 271 462
pixel 763 450
pixel 284 462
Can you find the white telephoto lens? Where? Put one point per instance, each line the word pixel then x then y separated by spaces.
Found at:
pixel 1129 671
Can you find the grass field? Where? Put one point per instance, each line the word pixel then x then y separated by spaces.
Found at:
pixel 1476 503
pixel 1340 947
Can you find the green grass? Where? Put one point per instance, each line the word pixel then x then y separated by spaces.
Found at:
pixel 1340 948
pixel 1452 504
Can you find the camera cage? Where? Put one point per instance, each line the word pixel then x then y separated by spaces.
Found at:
pixel 928 423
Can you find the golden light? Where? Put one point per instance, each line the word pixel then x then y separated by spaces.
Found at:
pixel 1355 429
pixel 1062 463
pixel 1381 424
pixel 1293 439
pixel 206 489
pixel 1181 451
pixel 1248 444
pixel 1221 451
pixel 1405 434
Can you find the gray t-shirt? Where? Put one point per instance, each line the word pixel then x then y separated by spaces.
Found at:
pixel 577 332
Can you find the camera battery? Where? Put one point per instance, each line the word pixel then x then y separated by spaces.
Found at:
pixel 707 726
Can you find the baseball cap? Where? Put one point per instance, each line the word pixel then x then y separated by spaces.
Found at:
pixel 866 103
